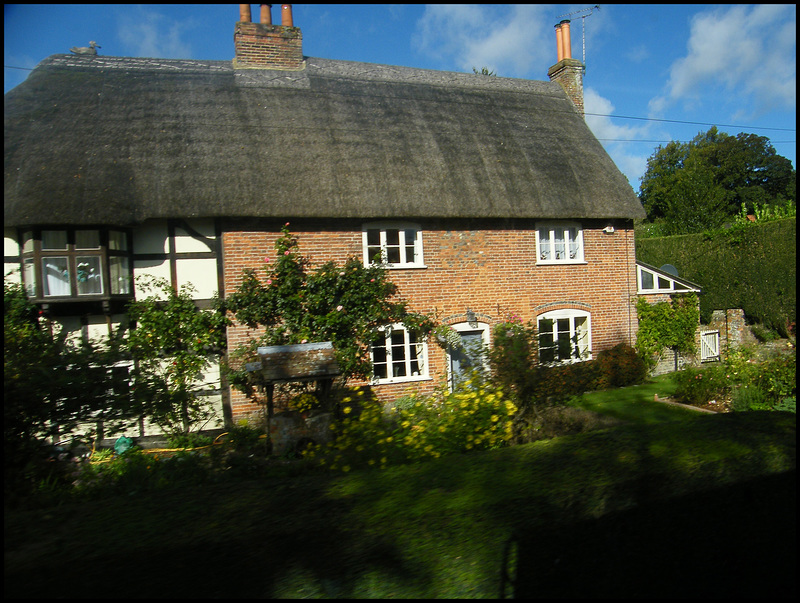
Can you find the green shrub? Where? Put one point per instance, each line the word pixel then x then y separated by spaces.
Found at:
pixel 777 376
pixel 787 405
pixel 750 397
pixel 619 367
pixel 189 440
pixel 699 386
pixel 474 417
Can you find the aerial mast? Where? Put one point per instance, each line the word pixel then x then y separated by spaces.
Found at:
pixel 585 12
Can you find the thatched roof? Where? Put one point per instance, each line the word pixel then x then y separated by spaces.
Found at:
pixel 113 140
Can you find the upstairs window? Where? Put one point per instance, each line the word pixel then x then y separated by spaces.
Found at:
pixel 395 245
pixel 398 355
pixel 564 336
pixel 76 264
pixel 559 243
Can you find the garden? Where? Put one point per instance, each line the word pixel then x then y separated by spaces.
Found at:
pixel 486 491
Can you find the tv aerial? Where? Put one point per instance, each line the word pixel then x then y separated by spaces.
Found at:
pixel 584 12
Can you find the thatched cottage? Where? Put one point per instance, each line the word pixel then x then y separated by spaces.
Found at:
pixel 490 196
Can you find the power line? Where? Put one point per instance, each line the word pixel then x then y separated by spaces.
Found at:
pixel 694 123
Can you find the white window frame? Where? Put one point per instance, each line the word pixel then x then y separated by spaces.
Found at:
pixel 547 249
pixel 420 354
pixel 402 228
pixel 661 284
pixel 584 339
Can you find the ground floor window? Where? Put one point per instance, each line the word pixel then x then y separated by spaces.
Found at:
pixel 564 336
pixel 398 355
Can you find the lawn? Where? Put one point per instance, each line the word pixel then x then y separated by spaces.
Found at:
pixel 628 511
pixel 637 404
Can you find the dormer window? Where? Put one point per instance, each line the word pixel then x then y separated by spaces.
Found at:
pixel 559 243
pixel 397 245
pixel 76 264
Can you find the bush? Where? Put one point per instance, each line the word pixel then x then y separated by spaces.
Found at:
pixel 699 386
pixel 749 397
pixel 619 367
pixel 474 417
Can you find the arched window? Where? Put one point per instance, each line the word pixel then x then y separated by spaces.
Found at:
pixel 564 336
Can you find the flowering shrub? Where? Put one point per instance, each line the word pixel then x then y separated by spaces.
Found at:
pixel 699 386
pixel 474 417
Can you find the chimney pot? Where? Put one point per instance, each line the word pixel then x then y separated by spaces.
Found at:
pixel 286 15
pixel 244 13
pixel 559 44
pixel 566 43
pixel 266 14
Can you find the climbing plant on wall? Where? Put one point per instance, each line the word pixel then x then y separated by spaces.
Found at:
pixel 290 303
pixel 667 325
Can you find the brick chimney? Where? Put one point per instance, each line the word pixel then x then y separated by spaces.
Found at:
pixel 567 71
pixel 267 46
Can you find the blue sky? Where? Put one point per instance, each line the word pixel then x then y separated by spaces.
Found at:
pixel 654 73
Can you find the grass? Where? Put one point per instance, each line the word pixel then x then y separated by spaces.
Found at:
pixel 633 510
pixel 636 404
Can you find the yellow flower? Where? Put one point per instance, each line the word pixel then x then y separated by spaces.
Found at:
pixel 346 468
pixel 347 410
pixel 495 418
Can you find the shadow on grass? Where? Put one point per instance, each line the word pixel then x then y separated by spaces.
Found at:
pixel 736 541
pixel 271 544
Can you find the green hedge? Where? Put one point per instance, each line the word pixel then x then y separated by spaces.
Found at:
pixel 753 268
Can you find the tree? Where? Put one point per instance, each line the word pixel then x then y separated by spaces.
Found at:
pixel 54 387
pixel 347 305
pixel 696 186
pixel 173 343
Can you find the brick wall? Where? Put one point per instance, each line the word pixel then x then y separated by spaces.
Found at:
pixel 490 270
pixel 268 46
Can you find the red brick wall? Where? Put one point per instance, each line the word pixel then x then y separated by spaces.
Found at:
pixel 268 46
pixel 490 270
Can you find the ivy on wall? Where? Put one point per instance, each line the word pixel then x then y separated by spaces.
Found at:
pixel 667 325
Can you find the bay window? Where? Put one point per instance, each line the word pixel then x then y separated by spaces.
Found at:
pixel 76 263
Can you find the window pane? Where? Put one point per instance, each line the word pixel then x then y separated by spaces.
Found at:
pixel 544 244
pixel 410 236
pixel 559 243
pixel 87 239
pixel 117 241
pixel 120 276
pixel 564 339
pixel 89 275
pixel 581 336
pixel 54 239
pixel 29 276
pixel 647 279
pixel 393 237
pixel 663 283
pixel 574 244
pixel 374 237
pixel 56 276
pixel 27 242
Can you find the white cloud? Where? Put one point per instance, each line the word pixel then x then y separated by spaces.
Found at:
pixel 512 41
pixel 147 33
pixel 745 51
